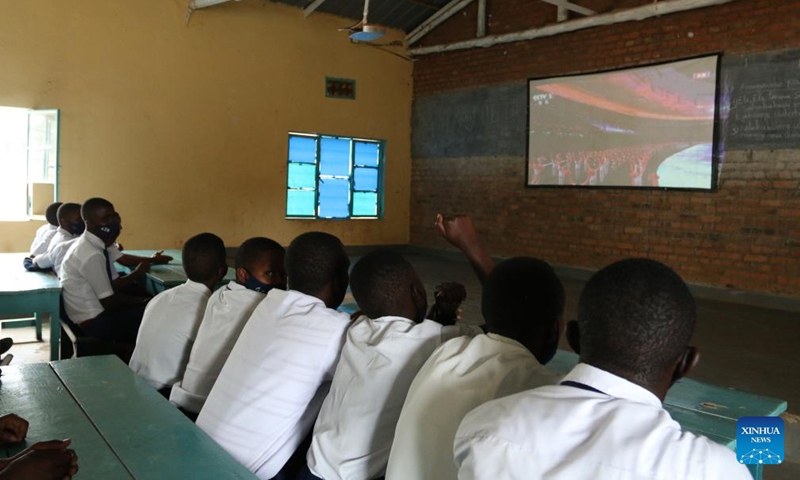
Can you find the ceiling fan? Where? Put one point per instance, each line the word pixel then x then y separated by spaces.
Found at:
pixel 363 31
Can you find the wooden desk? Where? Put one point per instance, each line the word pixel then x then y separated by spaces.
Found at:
pixel 701 408
pixel 120 426
pixel 163 277
pixel 23 293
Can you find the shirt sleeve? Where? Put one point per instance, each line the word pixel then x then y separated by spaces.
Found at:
pixel 722 465
pixel 94 270
pixel 44 260
pixel 114 253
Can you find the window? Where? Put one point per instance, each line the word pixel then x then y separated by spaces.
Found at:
pixel 28 162
pixel 334 177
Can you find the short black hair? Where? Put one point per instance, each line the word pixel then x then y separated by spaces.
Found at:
pixel 523 299
pixel 92 205
pixel 67 209
pixel 380 282
pixel 202 256
pixel 51 213
pixel 254 248
pixel 313 260
pixel 637 316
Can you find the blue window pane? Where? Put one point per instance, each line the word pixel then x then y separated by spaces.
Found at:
pixel 367 154
pixel 302 175
pixel 366 178
pixel 334 157
pixel 302 149
pixel 300 203
pixel 365 204
pixel 334 198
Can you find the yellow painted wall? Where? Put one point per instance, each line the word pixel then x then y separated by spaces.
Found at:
pixel 184 127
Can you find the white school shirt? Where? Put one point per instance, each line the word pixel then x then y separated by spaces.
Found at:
pixel 168 330
pixel 54 257
pixel 42 238
pixel 84 278
pixel 564 432
pixel 270 390
pixel 227 311
pixel 114 254
pixel 462 374
pixel 354 431
pixel 62 235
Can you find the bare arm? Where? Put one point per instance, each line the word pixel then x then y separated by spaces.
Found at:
pixel 459 231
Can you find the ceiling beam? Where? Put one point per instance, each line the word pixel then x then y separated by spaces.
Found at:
pixel 565 4
pixel 423 4
pixel 436 19
pixel 481 19
pixel 311 7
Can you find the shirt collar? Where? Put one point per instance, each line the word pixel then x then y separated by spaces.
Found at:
pixel 389 318
pixel 64 231
pixel 611 384
pixel 506 340
pixel 198 286
pixel 234 285
pixel 94 240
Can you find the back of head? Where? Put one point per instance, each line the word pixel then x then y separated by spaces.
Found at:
pixel 66 210
pixel 203 255
pixel 636 317
pixel 51 213
pixel 523 299
pixel 381 283
pixel 253 249
pixel 314 260
pixel 91 206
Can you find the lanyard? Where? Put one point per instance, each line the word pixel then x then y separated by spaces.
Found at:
pixel 582 386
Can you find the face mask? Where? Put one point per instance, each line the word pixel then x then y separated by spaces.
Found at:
pixel 109 231
pixel 254 284
pixel 77 228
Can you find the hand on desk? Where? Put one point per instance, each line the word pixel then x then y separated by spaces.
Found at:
pixel 50 460
pixel 13 429
pixel 140 270
pixel 159 258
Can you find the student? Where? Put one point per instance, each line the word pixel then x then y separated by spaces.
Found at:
pixel 259 268
pixel 172 318
pixel 41 461
pixel 89 300
pixel 70 227
pixel 523 303
pixel 383 350
pixel 268 394
pixel 45 233
pixel 606 419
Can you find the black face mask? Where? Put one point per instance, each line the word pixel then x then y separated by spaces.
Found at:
pixel 76 228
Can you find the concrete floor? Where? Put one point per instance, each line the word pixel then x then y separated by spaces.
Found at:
pixel 747 348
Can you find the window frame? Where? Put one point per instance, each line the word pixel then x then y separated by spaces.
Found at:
pixel 379 190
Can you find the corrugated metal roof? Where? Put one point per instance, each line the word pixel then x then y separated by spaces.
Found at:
pixel 401 14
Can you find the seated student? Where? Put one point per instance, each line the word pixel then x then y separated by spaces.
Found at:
pixel 268 394
pixel 139 266
pixel 41 461
pixel 259 268
pixel 45 233
pixel 172 318
pixel 70 227
pixel 606 419
pixel 523 303
pixel 89 300
pixel 383 350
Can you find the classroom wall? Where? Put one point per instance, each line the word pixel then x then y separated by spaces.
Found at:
pixel 184 126
pixel 744 236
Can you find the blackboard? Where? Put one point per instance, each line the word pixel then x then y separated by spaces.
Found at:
pixel 473 123
pixel 761 101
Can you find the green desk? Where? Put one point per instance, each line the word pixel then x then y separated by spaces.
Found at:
pixel 23 293
pixel 120 426
pixel 163 277
pixel 701 408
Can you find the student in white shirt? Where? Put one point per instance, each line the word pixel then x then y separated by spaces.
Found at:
pixel 523 304
pixel 70 227
pixel 383 350
pixel 45 233
pixel 606 419
pixel 172 318
pixel 269 392
pixel 139 266
pixel 89 300
pixel 259 268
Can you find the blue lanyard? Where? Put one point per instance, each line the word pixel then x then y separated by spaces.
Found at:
pixel 582 386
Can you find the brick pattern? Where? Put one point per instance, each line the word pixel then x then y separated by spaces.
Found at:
pixel 744 236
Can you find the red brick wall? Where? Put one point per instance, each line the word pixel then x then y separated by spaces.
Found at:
pixel 744 236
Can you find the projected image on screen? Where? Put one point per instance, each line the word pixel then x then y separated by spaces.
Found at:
pixel 643 127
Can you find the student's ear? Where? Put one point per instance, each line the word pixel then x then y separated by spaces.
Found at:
pixel 573 334
pixel 686 363
pixel 241 275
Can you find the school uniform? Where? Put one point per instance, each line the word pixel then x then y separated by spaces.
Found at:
pixel 42 238
pixel 225 315
pixel 354 431
pixel 62 235
pixel 462 374
pixel 54 257
pixel 269 392
pixel 168 330
pixel 85 280
pixel 592 425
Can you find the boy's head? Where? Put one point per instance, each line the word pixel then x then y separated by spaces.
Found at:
pixel 635 319
pixel 101 219
pixel 204 259
pixel 259 265
pixel 69 218
pixel 384 283
pixel 316 264
pixel 523 299
pixel 51 213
